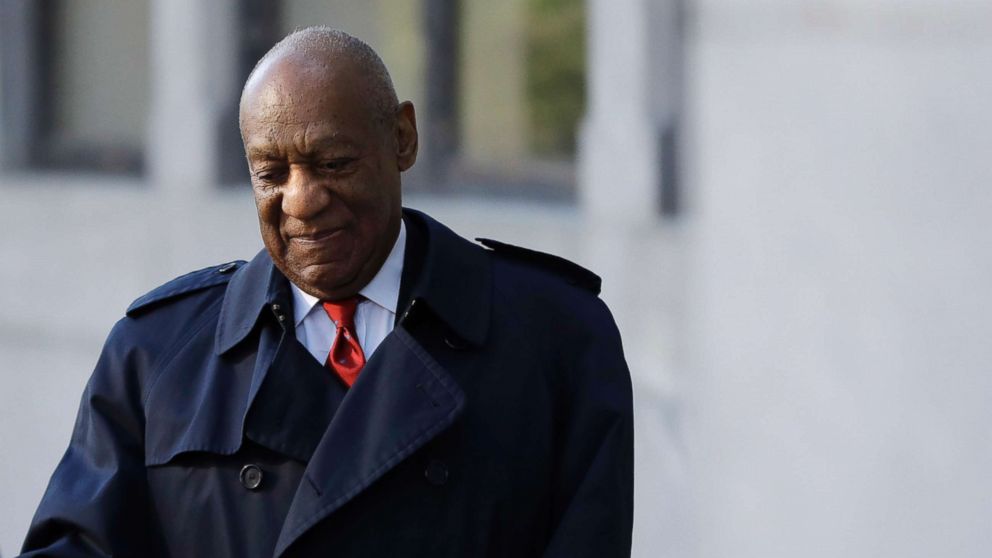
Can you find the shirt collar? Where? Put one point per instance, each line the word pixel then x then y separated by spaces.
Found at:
pixel 383 290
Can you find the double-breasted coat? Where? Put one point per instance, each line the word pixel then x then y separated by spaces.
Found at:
pixel 494 421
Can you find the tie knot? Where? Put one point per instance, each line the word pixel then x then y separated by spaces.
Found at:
pixel 342 311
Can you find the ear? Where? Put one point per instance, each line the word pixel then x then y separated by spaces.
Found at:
pixel 406 136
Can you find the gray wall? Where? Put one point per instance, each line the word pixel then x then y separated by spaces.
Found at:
pixel 840 300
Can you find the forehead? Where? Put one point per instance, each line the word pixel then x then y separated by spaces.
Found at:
pixel 292 96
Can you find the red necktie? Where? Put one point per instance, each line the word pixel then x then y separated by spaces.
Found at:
pixel 346 358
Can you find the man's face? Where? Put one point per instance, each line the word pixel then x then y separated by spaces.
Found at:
pixel 325 173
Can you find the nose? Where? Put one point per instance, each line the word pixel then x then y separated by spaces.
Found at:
pixel 304 196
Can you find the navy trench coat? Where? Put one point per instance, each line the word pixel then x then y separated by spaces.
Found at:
pixel 494 421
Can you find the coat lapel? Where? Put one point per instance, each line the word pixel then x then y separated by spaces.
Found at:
pixel 295 403
pixel 401 401
pixel 290 397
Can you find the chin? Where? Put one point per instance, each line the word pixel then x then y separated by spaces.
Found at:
pixel 325 283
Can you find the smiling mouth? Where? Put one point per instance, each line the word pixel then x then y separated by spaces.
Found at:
pixel 317 237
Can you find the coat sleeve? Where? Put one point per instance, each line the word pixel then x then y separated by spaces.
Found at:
pixel 593 497
pixel 96 503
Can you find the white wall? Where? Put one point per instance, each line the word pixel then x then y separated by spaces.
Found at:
pixel 841 281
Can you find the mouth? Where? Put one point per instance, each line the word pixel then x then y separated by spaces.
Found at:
pixel 316 237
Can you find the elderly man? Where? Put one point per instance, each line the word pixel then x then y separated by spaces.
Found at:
pixel 370 384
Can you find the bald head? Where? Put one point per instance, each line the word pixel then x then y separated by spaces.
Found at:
pixel 321 52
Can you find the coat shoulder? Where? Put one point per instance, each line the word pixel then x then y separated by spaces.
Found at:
pixel 569 271
pixel 184 285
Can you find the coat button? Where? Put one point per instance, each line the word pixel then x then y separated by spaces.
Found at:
pixel 251 477
pixel 436 473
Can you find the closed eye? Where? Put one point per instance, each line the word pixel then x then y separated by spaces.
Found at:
pixel 269 176
pixel 336 164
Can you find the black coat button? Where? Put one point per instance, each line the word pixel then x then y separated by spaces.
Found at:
pixel 436 473
pixel 251 477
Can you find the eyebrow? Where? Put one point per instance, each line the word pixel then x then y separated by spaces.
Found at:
pixel 260 153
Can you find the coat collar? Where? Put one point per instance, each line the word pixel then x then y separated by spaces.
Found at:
pixel 252 289
pixel 453 277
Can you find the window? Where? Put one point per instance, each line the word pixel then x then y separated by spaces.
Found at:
pixel 75 85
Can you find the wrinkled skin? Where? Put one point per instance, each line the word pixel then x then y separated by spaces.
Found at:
pixel 325 171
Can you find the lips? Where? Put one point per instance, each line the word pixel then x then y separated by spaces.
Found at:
pixel 326 246
pixel 317 237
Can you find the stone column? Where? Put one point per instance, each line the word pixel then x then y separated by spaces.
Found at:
pixel 632 85
pixel 192 68
pixel 632 98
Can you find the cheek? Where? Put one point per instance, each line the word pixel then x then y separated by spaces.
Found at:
pixel 267 205
pixel 269 216
pixel 378 191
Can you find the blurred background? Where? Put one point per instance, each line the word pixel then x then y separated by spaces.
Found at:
pixel 788 201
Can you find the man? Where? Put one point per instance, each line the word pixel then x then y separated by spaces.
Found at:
pixel 371 384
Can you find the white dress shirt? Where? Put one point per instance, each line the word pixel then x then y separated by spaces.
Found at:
pixel 374 317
